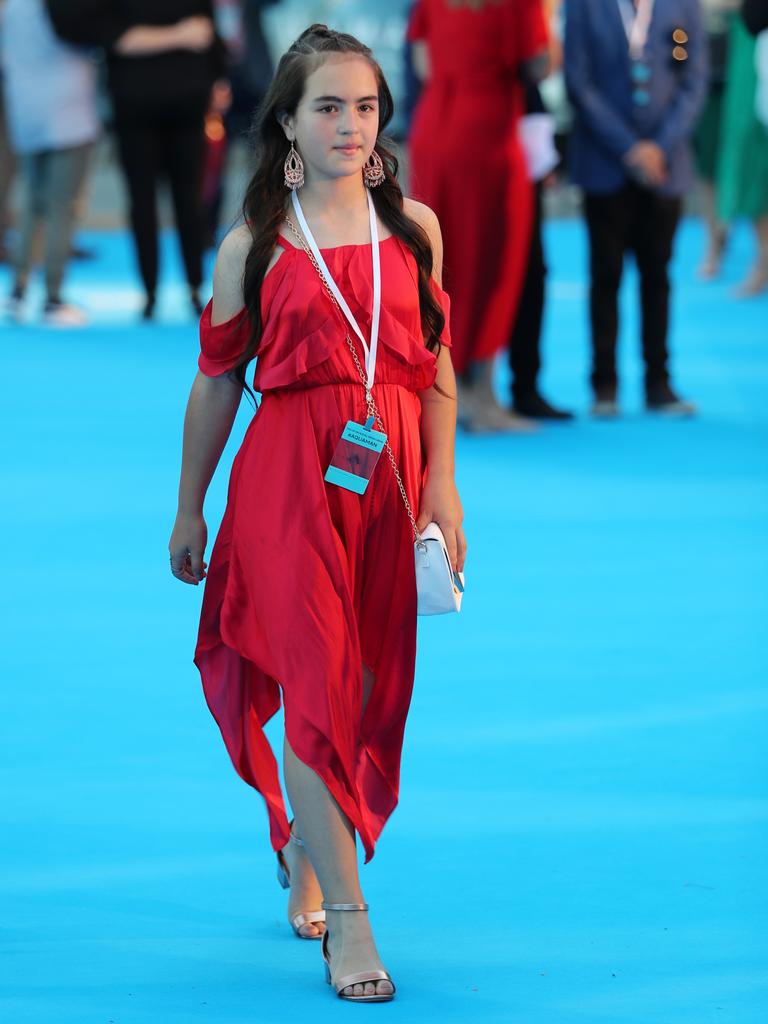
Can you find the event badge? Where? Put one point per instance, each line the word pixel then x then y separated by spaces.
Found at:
pixel 356 456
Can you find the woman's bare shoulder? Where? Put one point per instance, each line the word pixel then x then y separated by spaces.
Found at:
pixel 421 213
pixel 228 273
pixel 426 218
pixel 234 248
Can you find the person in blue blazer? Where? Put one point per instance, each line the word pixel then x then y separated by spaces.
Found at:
pixel 636 73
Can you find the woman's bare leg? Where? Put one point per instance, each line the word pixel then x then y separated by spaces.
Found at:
pixel 330 842
pixel 717 232
pixel 479 409
pixel 305 893
pixel 757 281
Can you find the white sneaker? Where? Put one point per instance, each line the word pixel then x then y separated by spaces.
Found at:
pixel 664 400
pixel 605 409
pixel 64 314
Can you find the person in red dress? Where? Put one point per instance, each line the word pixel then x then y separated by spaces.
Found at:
pixel 467 164
pixel 310 594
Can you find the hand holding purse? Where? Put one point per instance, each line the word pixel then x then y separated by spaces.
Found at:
pixel 438 587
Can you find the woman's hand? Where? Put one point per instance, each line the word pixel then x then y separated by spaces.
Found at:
pixel 187 547
pixel 195 33
pixel 440 503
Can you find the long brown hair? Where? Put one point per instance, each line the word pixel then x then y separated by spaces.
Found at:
pixel 264 203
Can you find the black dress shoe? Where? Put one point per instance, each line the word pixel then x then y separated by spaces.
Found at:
pixel 538 408
pixel 661 398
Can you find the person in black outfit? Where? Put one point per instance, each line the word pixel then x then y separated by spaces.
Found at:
pixel 755 14
pixel 162 62
pixel 525 343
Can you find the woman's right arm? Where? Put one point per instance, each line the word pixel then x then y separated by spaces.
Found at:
pixel 211 411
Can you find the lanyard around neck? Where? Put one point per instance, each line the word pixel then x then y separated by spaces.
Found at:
pixel 637 24
pixel 370 353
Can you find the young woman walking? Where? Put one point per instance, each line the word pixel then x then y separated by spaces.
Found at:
pixel 310 593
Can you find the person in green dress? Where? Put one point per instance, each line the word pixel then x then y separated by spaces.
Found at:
pixel 741 166
pixel 707 138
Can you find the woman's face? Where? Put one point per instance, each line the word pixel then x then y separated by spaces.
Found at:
pixel 337 120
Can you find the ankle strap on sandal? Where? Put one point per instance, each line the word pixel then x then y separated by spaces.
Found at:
pixel 344 906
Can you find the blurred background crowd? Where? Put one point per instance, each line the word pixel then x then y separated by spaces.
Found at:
pixel 628 113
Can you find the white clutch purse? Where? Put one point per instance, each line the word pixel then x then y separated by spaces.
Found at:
pixel 439 589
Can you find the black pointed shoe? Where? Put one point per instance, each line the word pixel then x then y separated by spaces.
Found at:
pixel 536 407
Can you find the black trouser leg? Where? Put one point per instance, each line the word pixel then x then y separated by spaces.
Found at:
pixel 137 137
pixel 607 219
pixel 524 344
pixel 653 234
pixel 183 152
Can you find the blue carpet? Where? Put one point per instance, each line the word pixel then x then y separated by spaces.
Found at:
pixel 583 825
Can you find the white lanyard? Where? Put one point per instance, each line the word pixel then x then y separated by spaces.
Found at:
pixel 370 354
pixel 637 24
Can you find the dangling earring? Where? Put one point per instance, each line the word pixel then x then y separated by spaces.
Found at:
pixel 294 169
pixel 373 172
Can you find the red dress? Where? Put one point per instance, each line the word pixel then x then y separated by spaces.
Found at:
pixel 467 162
pixel 307 581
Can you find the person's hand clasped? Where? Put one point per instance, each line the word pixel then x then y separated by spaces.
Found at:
pixel 648 162
pixel 195 33
pixel 187 547
pixel 440 503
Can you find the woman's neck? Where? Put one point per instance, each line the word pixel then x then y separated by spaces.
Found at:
pixel 334 200
pixel 337 211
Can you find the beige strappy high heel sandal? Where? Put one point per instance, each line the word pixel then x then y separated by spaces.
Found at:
pixel 359 977
pixel 284 878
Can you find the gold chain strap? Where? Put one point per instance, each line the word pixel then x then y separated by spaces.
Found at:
pixel 370 403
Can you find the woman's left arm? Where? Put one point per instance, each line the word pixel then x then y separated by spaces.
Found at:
pixel 440 502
